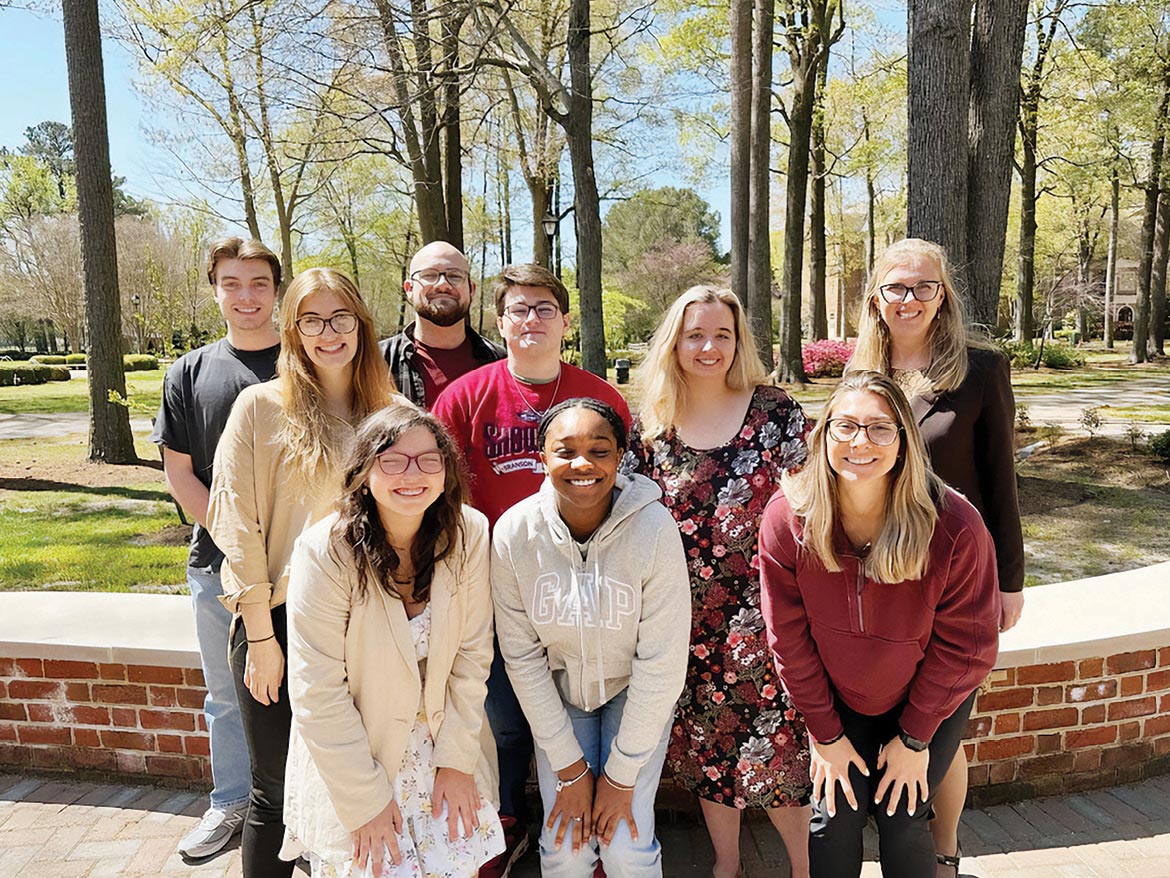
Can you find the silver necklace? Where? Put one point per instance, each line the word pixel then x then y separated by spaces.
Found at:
pixel 536 413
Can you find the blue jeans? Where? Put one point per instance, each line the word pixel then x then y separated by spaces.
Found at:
pixel 624 857
pixel 231 770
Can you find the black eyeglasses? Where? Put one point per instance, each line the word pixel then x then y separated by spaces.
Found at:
pixel 394 463
pixel 923 291
pixel 342 322
pixel 429 277
pixel 879 432
pixel 518 312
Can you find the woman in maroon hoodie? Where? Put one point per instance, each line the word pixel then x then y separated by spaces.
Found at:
pixel 881 602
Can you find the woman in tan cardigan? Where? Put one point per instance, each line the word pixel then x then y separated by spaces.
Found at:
pixel 276 473
pixel 390 641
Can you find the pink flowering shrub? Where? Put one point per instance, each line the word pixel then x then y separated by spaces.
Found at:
pixel 826 358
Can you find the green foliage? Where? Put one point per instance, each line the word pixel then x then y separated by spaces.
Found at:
pixel 139 363
pixel 75 359
pixel 49 360
pixel 1160 446
pixel 1135 435
pixel 59 373
pixel 14 354
pixel 653 217
pixel 1023 355
pixel 1090 419
pixel 13 374
pixel 1023 418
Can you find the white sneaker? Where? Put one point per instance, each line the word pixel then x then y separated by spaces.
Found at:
pixel 213 832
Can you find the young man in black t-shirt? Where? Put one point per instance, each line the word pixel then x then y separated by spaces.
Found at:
pixel 198 394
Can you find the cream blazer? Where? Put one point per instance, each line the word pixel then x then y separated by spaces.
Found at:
pixel 354 686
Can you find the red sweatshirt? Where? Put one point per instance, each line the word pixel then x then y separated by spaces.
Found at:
pixel 924 644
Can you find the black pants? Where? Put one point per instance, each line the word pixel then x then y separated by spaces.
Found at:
pixel 905 845
pixel 513 741
pixel 266 728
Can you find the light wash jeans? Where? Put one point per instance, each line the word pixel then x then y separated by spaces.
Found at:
pixel 231 769
pixel 623 858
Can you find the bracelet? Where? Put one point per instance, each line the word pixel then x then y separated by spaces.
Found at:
pixel 834 740
pixel 562 784
pixel 617 786
pixel 262 639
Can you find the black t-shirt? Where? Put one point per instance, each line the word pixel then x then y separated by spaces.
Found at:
pixel 198 394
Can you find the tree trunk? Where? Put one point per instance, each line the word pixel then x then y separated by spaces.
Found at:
pixel 586 201
pixel 759 266
pixel 870 208
pixel 997 47
pixel 741 139
pixel 110 440
pixel 938 68
pixel 791 367
pixel 540 192
pixel 1111 263
pixel 1141 323
pixel 818 256
pixel 1025 273
pixel 1158 271
pixel 452 135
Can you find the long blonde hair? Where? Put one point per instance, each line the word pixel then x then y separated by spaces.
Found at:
pixel 308 434
pixel 664 392
pixel 950 335
pixel 902 549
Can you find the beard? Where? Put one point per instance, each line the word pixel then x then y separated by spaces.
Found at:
pixel 447 311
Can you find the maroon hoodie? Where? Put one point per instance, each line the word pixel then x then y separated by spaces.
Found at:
pixel 925 644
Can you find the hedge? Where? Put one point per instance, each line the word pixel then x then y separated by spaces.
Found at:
pixel 139 362
pixel 49 359
pixel 75 359
pixel 14 354
pixel 23 373
pixel 59 373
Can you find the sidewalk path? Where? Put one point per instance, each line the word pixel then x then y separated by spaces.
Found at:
pixel 50 426
pixel 1064 407
pixel 58 829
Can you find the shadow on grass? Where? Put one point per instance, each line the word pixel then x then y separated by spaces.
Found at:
pixel 23 484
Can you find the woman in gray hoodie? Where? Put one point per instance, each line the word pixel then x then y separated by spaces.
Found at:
pixel 592 605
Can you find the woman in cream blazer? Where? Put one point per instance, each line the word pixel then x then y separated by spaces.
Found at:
pixel 391 761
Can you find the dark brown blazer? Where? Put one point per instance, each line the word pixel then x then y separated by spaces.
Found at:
pixel 969 434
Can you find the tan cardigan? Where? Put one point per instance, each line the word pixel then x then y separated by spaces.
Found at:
pixel 259 505
pixel 355 691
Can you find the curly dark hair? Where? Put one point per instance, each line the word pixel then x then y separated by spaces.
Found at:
pixel 359 532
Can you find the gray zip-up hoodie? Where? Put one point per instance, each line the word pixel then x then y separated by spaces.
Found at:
pixel 580 630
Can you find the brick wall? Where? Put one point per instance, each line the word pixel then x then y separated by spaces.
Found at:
pixel 125 719
pixel 1070 725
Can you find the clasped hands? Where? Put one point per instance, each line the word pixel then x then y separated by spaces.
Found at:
pixel 590 808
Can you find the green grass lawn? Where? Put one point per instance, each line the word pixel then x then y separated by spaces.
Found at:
pixel 143 388
pixel 100 539
pixel 72 525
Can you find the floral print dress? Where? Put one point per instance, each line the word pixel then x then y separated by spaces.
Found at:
pixel 736 739
pixel 423 844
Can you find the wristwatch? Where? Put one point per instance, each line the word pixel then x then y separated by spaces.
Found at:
pixel 912 743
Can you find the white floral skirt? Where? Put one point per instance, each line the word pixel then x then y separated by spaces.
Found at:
pixel 423 843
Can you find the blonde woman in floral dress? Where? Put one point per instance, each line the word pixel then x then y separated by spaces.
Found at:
pixel 390 641
pixel 716 439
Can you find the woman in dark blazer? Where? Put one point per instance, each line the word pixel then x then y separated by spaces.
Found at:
pixel 913 327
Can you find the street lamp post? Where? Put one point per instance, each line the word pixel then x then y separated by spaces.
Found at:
pixel 136 301
pixel 551 223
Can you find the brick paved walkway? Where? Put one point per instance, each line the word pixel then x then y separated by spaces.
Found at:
pixel 55 829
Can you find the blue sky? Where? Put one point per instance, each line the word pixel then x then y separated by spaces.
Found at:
pixel 36 89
